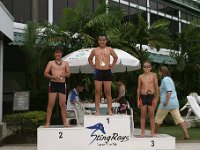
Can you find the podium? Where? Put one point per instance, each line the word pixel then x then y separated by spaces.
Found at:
pixel 100 133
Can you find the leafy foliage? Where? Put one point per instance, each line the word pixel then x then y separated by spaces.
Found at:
pixel 188 67
pixel 25 122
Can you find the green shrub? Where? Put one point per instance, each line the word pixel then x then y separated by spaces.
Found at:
pixel 26 121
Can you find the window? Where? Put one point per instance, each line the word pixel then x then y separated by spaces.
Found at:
pixel 72 3
pixel 189 17
pixel 21 14
pixel 142 2
pixel 95 4
pixel 126 12
pixel 169 10
pixel 134 1
pixel 9 5
pixel 58 7
pixel 153 5
pixel 175 12
pixel 43 11
pixel 153 18
pixel 183 15
pixel 161 8
pixel 174 27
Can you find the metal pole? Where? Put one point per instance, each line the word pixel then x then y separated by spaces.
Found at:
pixel 107 3
pixel 50 11
pixel 34 8
pixel 148 14
pixel 1 79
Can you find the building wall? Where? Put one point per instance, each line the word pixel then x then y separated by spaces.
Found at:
pixel 179 12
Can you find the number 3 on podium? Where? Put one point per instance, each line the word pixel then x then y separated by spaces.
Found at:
pixel 152 143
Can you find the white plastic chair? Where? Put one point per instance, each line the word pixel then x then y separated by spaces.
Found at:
pixel 132 122
pixel 187 105
pixel 77 113
pixel 194 106
pixel 71 115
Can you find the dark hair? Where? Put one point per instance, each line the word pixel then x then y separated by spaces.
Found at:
pixel 57 48
pixel 103 35
pixel 165 71
pixel 147 61
pixel 118 79
pixel 80 84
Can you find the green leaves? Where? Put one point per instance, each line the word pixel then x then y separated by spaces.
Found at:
pixel 159 35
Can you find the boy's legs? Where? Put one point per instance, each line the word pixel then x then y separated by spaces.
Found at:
pixel 62 103
pixel 152 119
pixel 98 90
pixel 107 91
pixel 51 103
pixel 143 119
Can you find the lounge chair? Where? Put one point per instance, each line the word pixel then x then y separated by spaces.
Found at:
pixel 194 106
pixel 187 105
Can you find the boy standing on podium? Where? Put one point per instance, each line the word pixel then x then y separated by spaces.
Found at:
pixel 57 70
pixel 102 71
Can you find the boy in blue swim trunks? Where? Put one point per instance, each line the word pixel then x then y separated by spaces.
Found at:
pixel 102 71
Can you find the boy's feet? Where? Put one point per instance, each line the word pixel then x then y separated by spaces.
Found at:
pixel 47 125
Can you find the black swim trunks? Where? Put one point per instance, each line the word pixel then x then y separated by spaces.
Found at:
pixel 147 100
pixel 57 87
pixel 102 75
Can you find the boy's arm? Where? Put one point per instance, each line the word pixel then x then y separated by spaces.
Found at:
pixel 115 58
pixel 156 89
pixel 90 58
pixel 138 90
pixel 67 71
pixel 47 71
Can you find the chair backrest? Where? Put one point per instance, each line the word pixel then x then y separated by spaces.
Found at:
pixel 80 111
pixel 194 106
pixel 71 113
pixel 198 99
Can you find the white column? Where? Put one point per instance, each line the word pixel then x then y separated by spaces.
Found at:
pixel 179 26
pixel 1 79
pixel 179 16
pixel 50 11
pixel 107 6
pixel 148 14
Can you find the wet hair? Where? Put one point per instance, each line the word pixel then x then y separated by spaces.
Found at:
pixel 102 35
pixel 80 84
pixel 118 79
pixel 57 48
pixel 165 71
pixel 147 61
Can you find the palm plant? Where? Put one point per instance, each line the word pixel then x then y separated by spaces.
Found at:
pixel 188 66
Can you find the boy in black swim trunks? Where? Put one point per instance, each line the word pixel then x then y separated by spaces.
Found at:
pixel 147 96
pixel 57 70
pixel 102 71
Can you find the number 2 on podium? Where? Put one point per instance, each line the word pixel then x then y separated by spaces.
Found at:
pixel 60 135
pixel 108 120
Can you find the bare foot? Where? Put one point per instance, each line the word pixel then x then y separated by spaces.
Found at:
pixel 96 114
pixel 153 135
pixel 47 125
pixel 185 138
pixel 67 125
pixel 142 135
pixel 110 114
